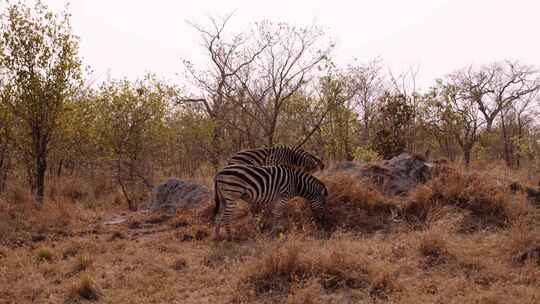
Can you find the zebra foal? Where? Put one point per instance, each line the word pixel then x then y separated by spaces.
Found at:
pixel 264 185
pixel 278 155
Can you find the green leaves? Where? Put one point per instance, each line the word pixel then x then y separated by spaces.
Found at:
pixel 40 67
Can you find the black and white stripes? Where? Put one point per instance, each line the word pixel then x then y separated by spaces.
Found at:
pixel 264 185
pixel 279 155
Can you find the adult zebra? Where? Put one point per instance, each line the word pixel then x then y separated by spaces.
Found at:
pixel 264 185
pixel 278 155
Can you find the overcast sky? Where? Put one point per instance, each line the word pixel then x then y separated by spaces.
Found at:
pixel 131 37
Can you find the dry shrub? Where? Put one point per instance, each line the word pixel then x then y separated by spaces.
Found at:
pixel 102 187
pixel 297 262
pixel 434 248
pixel 117 235
pixel 82 263
pixel 85 289
pixel 355 205
pixel 158 219
pixel 524 244
pixel 16 193
pixel 53 217
pixel 489 203
pixel 308 293
pixel 44 254
pixel 338 268
pixel 276 270
pixel 224 253
pixel 11 221
pixel 383 281
pixel 71 188
pixel 205 214
pixel 179 264
pixel 71 249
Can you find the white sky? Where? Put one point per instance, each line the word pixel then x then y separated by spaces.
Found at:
pixel 130 37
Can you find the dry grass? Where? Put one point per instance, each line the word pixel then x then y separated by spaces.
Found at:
pixel 44 255
pixel 82 263
pixel 461 238
pixel 487 202
pixel 524 245
pixel 84 289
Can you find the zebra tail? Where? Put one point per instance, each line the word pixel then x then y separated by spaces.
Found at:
pixel 217 201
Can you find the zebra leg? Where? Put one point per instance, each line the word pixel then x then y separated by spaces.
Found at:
pixel 227 215
pixel 278 215
pixel 216 228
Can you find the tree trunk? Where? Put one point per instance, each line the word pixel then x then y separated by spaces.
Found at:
pixel 4 168
pixel 216 149
pixel 467 156
pixel 60 167
pixel 39 176
pixel 506 144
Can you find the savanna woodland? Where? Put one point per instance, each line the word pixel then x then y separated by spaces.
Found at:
pixel 79 159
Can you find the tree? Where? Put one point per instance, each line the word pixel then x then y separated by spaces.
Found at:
pixel 368 83
pixel 394 124
pixel 6 126
pixel 131 120
pixel 227 57
pixel 456 116
pixel 513 82
pixel 39 65
pixel 495 86
pixel 285 65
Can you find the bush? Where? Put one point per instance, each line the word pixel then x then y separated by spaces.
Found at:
pixel 355 205
pixel 296 262
pixel 85 289
pixel 44 254
pixel 365 155
pixel 488 202
pixel 83 263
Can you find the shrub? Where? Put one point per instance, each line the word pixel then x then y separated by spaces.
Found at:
pixel 489 203
pixel 44 254
pixel 365 155
pixel 355 205
pixel 71 250
pixel 336 265
pixel 179 264
pixel 82 263
pixel 86 289
pixel 524 245
pixel 433 248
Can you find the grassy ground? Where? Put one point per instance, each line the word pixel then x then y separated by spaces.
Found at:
pixel 461 238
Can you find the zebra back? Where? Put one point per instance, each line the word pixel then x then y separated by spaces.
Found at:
pixel 278 155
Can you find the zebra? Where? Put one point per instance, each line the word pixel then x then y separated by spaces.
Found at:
pixel 278 155
pixel 264 185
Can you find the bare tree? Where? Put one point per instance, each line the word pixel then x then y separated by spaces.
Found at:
pixel 512 82
pixel 515 121
pixel 286 64
pixel 367 81
pixel 457 116
pixel 228 56
pixel 495 86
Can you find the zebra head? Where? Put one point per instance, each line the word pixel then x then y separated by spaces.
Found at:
pixel 309 162
pixel 319 192
pixel 318 201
